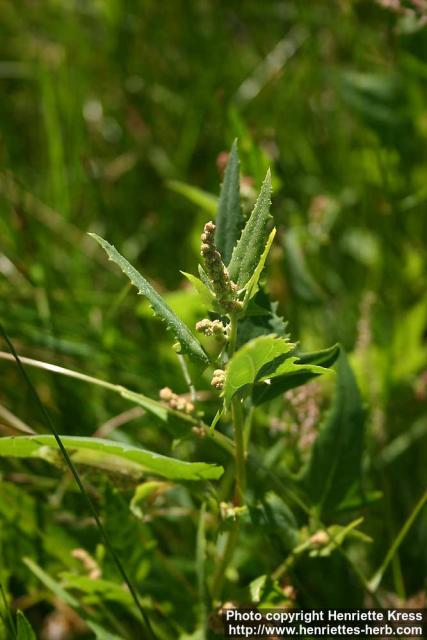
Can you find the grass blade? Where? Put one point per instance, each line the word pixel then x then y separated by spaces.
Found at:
pixel 378 576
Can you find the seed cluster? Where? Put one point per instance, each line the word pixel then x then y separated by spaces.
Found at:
pixel 224 288
pixel 175 401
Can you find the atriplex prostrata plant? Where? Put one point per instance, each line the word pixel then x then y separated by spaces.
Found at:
pixel 242 350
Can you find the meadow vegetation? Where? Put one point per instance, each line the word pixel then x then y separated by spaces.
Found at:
pixel 251 428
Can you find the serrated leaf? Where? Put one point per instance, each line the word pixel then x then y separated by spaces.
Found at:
pixel 229 216
pixel 189 344
pixel 260 319
pixel 252 286
pixel 335 462
pixel 204 292
pixel 204 277
pixel 24 630
pixel 250 247
pixel 309 365
pixel 249 362
pixel 105 454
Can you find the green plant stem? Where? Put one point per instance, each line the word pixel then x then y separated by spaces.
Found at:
pixel 240 458
pixel 70 373
pixel 201 569
pixel 187 377
pixel 375 581
pixel 226 558
pixel 248 427
pixel 238 425
pixel 233 335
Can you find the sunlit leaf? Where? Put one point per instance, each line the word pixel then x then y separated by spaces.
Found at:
pixel 104 454
pixel 200 198
pixel 247 363
pixel 252 286
pixel 229 218
pixel 189 344
pixel 251 245
pixel 23 628
pixel 202 289
pixel 308 366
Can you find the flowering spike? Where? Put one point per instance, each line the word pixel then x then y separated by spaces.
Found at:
pixel 224 288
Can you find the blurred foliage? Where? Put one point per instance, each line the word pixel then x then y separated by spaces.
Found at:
pixel 111 111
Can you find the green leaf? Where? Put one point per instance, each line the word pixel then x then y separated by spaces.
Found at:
pixel 112 456
pixel 301 279
pixel 309 365
pixel 247 363
pixel 204 291
pixel 280 520
pixel 256 588
pixel 335 462
pixel 200 198
pixel 189 344
pixel 249 249
pixel 260 319
pixel 229 216
pixel 256 366
pixel 99 591
pixel 338 535
pixel 150 405
pixel 143 492
pixel 52 584
pixel 100 632
pixel 252 286
pixel 24 630
pixel 64 596
pixel 409 339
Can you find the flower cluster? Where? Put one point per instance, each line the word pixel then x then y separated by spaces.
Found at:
pixel 413 9
pixel 224 288
pixel 211 328
pixel 179 403
pixel 300 421
pixel 94 572
pixel 218 379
